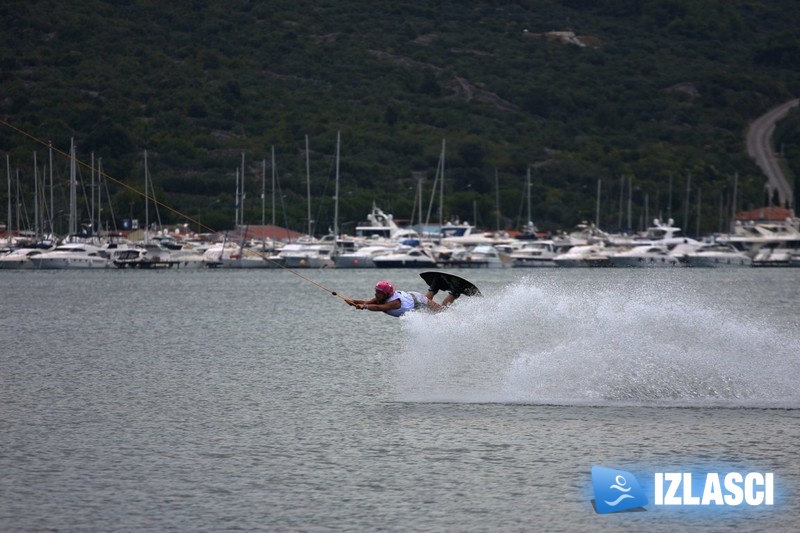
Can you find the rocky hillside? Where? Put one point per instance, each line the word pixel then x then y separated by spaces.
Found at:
pixel 637 94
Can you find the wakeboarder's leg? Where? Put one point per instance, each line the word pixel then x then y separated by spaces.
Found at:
pixel 433 289
pixel 450 298
pixel 434 306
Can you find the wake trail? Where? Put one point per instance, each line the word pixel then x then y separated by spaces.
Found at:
pixel 567 343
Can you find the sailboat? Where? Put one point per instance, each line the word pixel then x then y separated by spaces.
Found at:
pixel 75 253
pixel 315 253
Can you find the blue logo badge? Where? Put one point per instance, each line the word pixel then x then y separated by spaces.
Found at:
pixel 616 490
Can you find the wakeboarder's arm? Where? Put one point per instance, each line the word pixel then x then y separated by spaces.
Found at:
pixel 387 306
pixel 361 304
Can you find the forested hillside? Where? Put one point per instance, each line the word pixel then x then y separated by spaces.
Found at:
pixel 646 93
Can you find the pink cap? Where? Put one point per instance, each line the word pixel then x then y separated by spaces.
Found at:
pixel 385 287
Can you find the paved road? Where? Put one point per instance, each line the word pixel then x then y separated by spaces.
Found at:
pixel 759 146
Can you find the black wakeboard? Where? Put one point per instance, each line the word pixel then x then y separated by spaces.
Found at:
pixel 450 282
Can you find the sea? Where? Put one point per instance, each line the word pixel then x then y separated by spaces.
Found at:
pixel 257 400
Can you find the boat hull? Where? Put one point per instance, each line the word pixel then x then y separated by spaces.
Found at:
pixel 646 262
pixel 307 262
pixel 719 262
pixel 471 263
pixel 58 263
pixel 404 263
pixel 16 264
pixel 583 262
pixel 354 262
pixel 520 262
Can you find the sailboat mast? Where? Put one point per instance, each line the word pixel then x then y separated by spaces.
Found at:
pixel 433 193
pixel 99 194
pixel 241 211
pixel 273 186
pixel 52 215
pixel 73 193
pixel 146 201
pixel 528 186
pixel 308 187
pixel 91 203
pixel 734 201
pixel 18 202
pixel 336 197
pixel 236 210
pixel 263 189
pixel 8 177
pixel 441 189
pixel 621 199
pixel 35 197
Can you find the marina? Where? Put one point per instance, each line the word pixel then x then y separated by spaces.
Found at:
pixel 383 244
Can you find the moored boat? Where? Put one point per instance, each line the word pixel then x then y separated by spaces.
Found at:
pixel 592 255
pixel 534 254
pixel 717 255
pixel 229 255
pixel 482 256
pixel 646 256
pixel 315 254
pixel 782 254
pixel 406 257
pixel 19 258
pixel 362 257
pixel 71 255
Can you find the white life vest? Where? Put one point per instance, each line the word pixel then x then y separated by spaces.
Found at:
pixel 408 302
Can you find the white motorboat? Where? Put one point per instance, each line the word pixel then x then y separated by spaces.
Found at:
pixel 71 255
pixel 374 238
pixel 717 255
pixel 482 256
pixel 154 256
pixel 379 225
pixel 646 256
pixel 315 254
pixel 584 234
pixel 231 255
pixel 19 258
pixel 406 257
pixel 780 254
pixel 534 254
pixel 751 237
pixel 660 233
pixel 362 257
pixel 591 255
pixel 113 250
pixel 187 258
pixel 456 229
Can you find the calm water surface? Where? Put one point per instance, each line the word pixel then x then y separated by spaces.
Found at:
pixel 217 400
